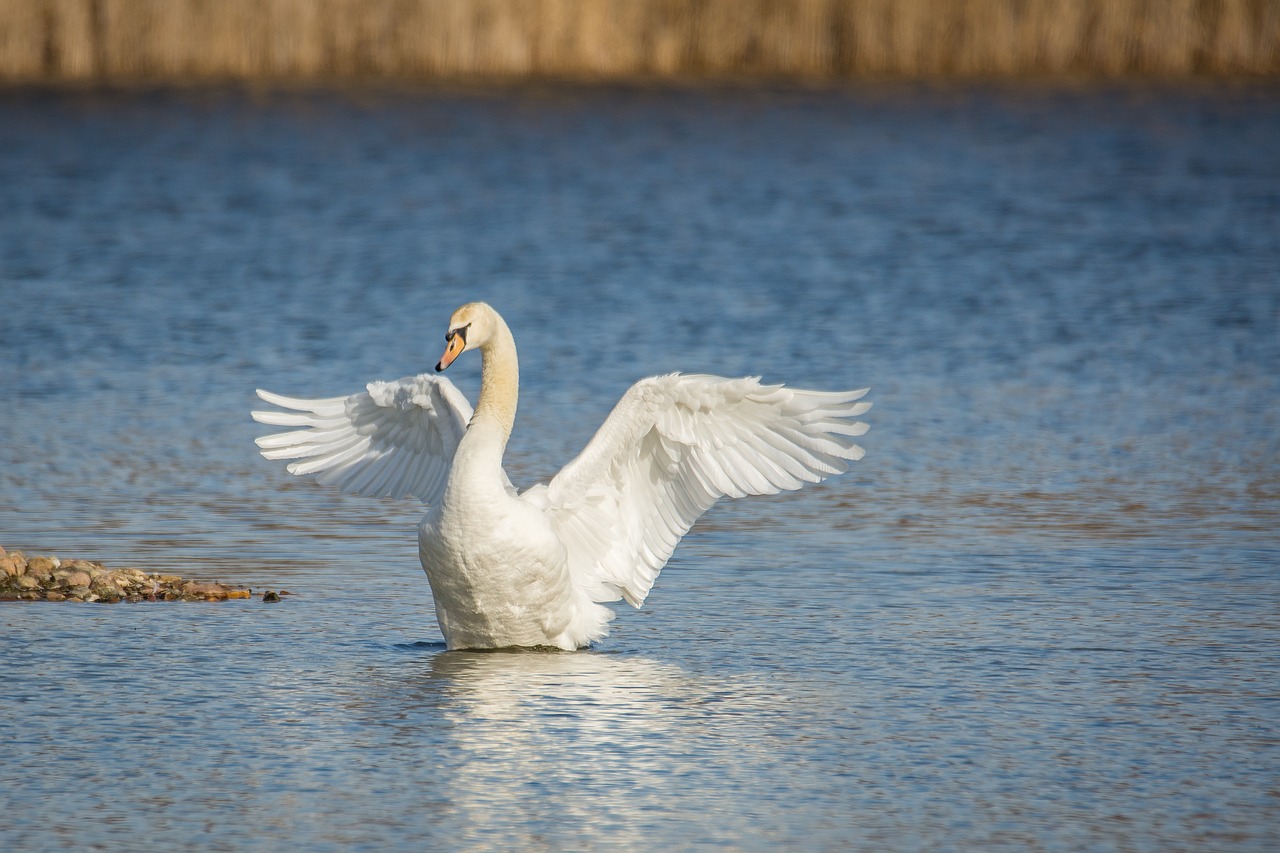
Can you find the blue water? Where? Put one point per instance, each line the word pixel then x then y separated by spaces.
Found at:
pixel 1041 614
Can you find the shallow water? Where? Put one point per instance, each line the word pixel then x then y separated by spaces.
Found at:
pixel 1041 613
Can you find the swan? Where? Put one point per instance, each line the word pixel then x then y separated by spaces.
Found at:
pixel 535 568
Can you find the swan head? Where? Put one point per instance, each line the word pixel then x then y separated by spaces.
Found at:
pixel 470 327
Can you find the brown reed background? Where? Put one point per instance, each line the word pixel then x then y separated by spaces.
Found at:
pixel 57 40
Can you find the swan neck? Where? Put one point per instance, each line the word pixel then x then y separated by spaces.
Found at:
pixel 499 381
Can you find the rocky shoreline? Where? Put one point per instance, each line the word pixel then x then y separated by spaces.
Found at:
pixel 25 578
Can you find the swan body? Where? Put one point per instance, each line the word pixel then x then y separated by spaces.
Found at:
pixel 533 568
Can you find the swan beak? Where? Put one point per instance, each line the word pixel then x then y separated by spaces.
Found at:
pixel 457 343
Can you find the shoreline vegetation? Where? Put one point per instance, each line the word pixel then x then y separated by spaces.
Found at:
pixel 290 40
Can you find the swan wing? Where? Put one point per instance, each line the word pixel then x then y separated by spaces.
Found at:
pixel 671 448
pixel 393 440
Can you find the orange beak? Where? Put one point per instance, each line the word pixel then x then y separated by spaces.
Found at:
pixel 453 349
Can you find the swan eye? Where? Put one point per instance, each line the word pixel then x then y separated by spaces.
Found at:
pixel 461 332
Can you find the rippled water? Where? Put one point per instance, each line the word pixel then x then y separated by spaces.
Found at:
pixel 1041 614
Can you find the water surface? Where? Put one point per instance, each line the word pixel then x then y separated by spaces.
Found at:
pixel 1041 614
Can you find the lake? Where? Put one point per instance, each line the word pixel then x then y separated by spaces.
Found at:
pixel 1040 614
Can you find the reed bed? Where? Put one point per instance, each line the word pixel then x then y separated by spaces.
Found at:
pixel 303 39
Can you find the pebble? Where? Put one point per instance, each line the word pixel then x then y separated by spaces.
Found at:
pixel 52 579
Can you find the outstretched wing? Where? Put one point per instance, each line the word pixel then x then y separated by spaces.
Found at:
pixel 396 439
pixel 671 448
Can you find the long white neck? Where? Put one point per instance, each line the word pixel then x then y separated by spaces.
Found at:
pixel 499 385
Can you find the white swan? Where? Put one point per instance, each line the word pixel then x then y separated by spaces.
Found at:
pixel 531 569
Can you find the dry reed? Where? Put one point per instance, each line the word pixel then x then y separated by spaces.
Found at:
pixel 282 39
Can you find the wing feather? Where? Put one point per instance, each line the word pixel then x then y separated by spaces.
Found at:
pixel 671 448
pixel 334 457
pixel 393 440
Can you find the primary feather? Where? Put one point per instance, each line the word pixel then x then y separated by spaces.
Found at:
pixel 672 447
pixel 397 439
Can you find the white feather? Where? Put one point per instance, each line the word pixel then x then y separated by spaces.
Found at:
pixel 368 443
pixel 731 438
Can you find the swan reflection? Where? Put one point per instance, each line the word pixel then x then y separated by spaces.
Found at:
pixel 599 698
pixel 571 747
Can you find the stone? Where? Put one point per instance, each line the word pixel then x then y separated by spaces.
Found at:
pixel 77 578
pixel 94 570
pixel 105 586
pixel 12 565
pixel 40 567
pixel 53 579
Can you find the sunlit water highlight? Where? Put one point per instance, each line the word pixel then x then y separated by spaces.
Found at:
pixel 1041 614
